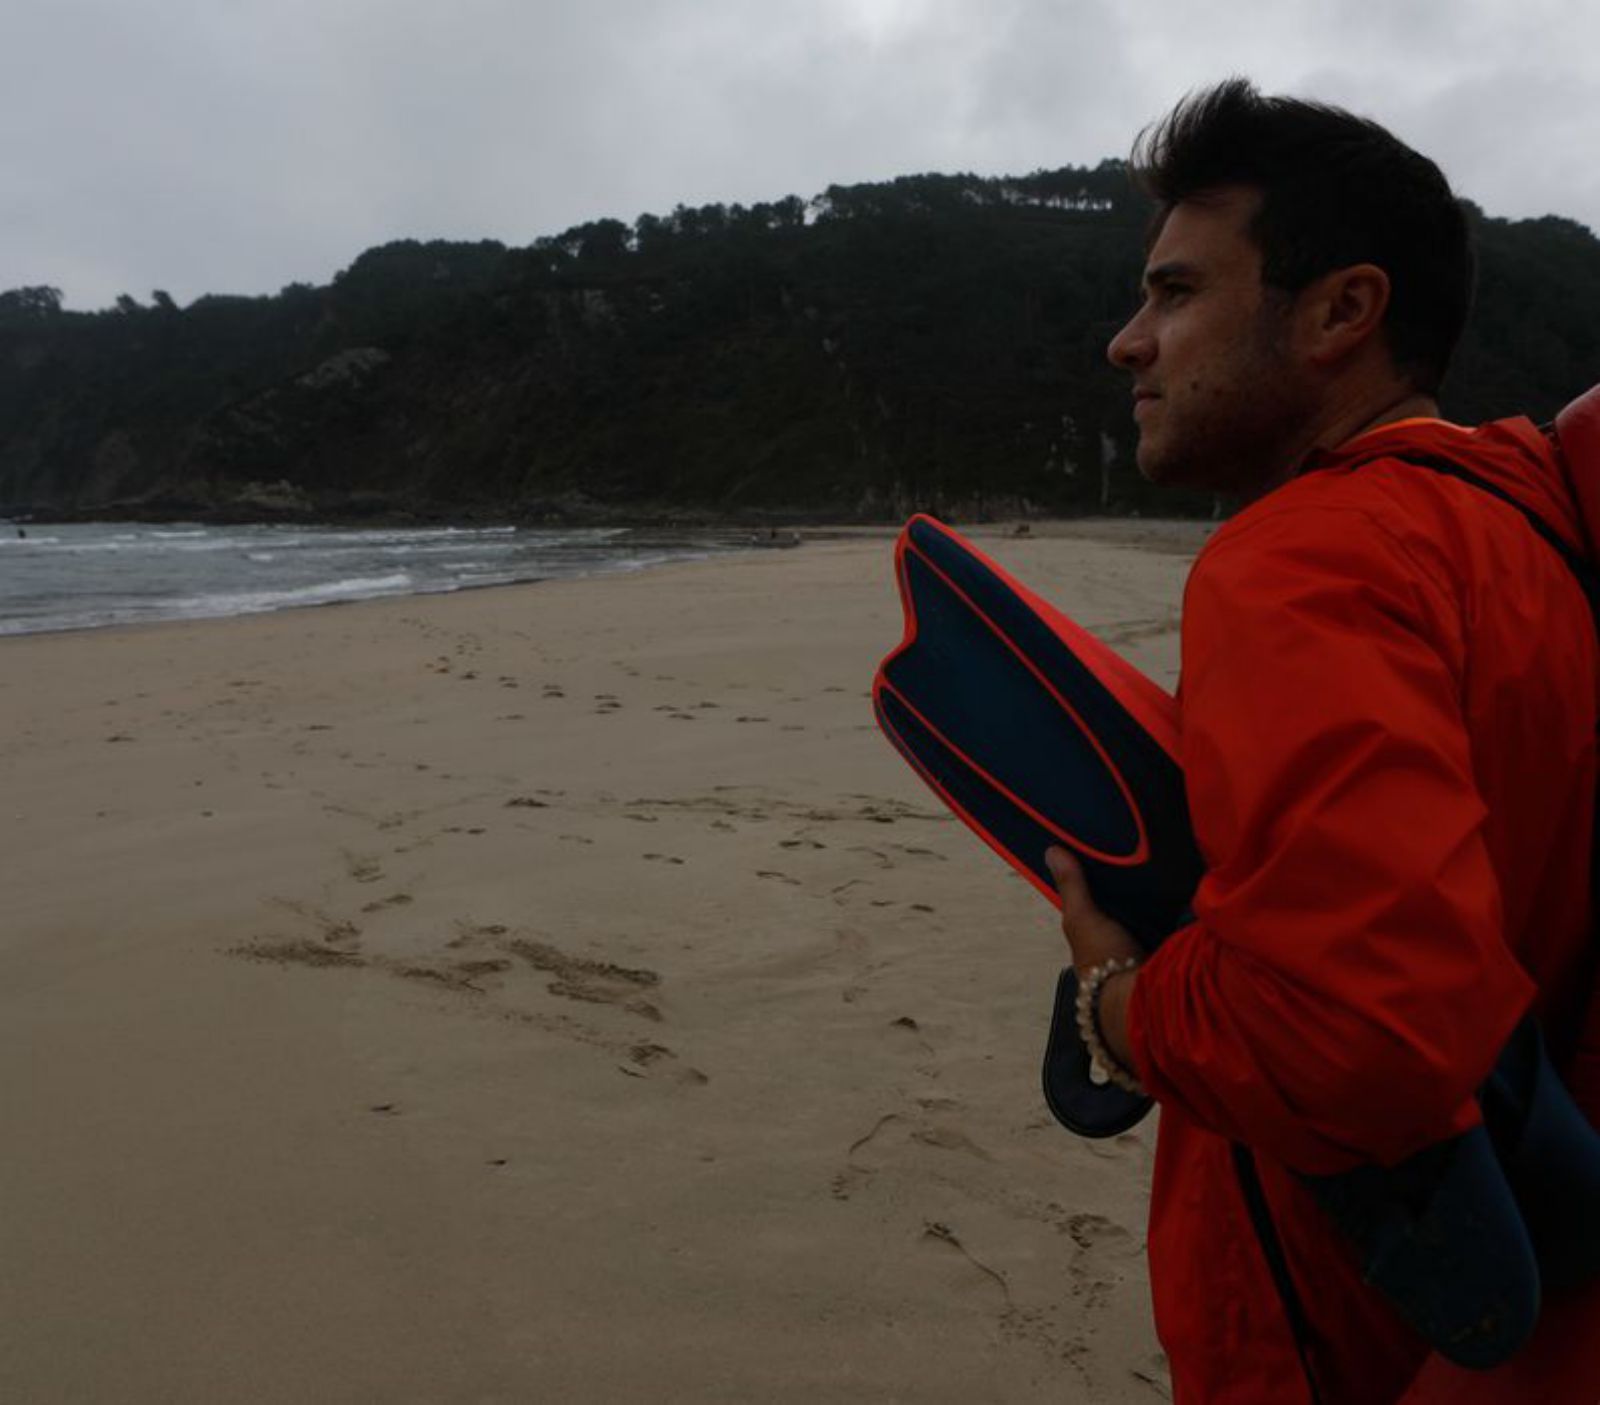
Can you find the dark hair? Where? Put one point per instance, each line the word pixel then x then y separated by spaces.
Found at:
pixel 1336 190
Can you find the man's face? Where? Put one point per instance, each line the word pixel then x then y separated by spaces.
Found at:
pixel 1219 399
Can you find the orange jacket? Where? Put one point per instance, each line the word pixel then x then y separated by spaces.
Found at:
pixel 1388 707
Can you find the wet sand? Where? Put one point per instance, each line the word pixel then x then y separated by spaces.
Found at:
pixel 556 992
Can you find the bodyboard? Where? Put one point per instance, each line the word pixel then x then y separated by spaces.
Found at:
pixel 1035 733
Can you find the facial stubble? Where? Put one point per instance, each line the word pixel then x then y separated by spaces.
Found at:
pixel 1240 420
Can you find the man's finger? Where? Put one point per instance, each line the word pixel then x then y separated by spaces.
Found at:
pixel 1070 882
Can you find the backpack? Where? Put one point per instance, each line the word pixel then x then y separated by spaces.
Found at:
pixel 1577 434
pixel 1464 1236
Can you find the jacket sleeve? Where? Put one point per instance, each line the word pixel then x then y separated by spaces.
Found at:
pixel 1345 986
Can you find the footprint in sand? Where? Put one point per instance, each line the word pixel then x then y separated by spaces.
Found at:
pixel 895 1135
pixel 948 1139
pixel 335 931
pixel 393 900
pixel 880 858
pixel 648 1054
pixel 489 967
pixel 664 858
pixel 855 1174
pixel 364 868
pixel 297 951
pixel 597 982
pixel 469 932
pixel 940 1235
pixel 485 979
pixel 1091 1231
pixel 432 975
pixel 910 1026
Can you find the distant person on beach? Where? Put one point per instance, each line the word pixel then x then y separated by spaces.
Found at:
pixel 1388 719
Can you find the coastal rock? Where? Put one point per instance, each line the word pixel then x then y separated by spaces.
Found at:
pixel 274 499
pixel 346 368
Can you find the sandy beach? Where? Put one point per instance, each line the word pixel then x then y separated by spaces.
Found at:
pixel 548 993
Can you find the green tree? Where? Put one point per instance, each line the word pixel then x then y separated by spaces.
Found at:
pixel 29 304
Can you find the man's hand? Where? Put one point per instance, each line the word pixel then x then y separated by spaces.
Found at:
pixel 1093 938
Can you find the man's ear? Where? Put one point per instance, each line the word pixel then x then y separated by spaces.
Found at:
pixel 1343 311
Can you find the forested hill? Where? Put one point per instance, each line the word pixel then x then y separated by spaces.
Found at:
pixel 931 342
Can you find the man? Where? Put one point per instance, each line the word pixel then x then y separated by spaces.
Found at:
pixel 1388 707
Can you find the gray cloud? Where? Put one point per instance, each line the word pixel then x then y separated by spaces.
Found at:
pixel 237 145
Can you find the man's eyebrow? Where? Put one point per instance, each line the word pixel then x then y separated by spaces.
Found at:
pixel 1164 274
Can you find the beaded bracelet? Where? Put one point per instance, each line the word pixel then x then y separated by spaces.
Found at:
pixel 1103 1065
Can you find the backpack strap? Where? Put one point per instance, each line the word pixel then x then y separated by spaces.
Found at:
pixel 1255 1201
pixel 1583 569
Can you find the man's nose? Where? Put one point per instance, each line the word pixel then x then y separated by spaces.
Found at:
pixel 1132 348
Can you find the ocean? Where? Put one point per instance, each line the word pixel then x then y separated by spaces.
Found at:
pixel 90 575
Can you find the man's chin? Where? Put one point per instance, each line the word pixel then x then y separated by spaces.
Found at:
pixel 1157 467
pixel 1167 470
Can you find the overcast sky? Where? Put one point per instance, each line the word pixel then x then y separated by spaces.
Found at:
pixel 238 145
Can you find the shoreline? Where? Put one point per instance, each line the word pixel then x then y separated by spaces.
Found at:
pixel 1178 535
pixel 643 517
pixel 189 591
pixel 436 984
